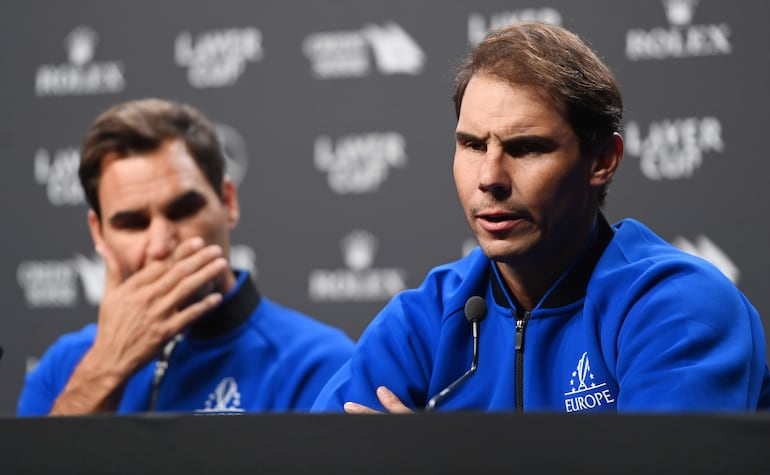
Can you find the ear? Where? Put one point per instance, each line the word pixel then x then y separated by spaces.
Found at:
pixel 95 227
pixel 230 200
pixel 607 160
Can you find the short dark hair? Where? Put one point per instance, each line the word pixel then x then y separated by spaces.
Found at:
pixel 142 126
pixel 559 65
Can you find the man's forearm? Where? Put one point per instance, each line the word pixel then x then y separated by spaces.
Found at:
pixel 94 387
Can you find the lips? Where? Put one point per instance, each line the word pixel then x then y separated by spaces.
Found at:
pixel 498 221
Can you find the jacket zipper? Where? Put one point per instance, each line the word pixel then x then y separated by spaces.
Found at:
pixel 161 366
pixel 521 326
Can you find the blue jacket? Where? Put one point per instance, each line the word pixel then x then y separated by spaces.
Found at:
pixel 249 354
pixel 634 325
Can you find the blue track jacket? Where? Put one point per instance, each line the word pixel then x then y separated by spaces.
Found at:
pixel 249 354
pixel 634 325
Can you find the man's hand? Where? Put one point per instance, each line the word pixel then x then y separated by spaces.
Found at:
pixel 389 401
pixel 137 316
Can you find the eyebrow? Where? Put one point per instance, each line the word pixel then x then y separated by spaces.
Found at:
pixel 185 201
pixel 120 218
pixel 546 143
pixel 180 203
pixel 185 198
pixel 465 136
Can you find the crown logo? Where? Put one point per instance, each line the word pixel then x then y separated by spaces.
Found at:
pixel 679 12
pixel 81 43
pixel 358 249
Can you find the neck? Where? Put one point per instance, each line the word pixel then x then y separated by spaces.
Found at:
pixel 529 278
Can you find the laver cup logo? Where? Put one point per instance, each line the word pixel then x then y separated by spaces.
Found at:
pixel 225 399
pixel 673 149
pixel 217 58
pixel 479 25
pixel 359 163
pixel 58 172
pixel 586 392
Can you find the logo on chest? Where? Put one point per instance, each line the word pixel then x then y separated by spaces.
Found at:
pixel 224 399
pixel 585 392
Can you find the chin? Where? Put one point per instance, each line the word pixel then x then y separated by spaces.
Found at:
pixel 494 251
pixel 501 251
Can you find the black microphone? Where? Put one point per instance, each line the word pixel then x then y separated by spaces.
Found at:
pixel 475 312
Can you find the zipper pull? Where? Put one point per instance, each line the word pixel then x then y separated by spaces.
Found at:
pixel 160 370
pixel 521 324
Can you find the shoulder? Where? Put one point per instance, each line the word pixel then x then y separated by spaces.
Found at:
pixel 74 344
pixel 286 328
pixel 47 379
pixel 449 285
pixel 419 313
pixel 458 274
pixel 638 257
pixel 641 273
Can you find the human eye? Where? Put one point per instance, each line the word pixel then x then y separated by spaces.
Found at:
pixel 131 221
pixel 471 143
pixel 520 150
pixel 529 146
pixel 477 146
pixel 185 206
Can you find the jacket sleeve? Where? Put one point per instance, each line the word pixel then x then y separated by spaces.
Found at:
pixel 312 365
pixel 43 384
pixel 689 341
pixel 394 351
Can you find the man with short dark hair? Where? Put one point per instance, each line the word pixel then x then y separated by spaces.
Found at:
pixel 577 315
pixel 178 329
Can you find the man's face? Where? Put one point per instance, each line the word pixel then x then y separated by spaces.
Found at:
pixel 152 202
pixel 525 189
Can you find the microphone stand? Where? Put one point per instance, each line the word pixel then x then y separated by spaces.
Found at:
pixel 433 402
pixel 475 312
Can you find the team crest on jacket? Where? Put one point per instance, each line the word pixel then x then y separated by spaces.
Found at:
pixel 585 392
pixel 225 399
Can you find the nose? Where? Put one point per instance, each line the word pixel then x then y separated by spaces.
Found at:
pixel 494 173
pixel 162 239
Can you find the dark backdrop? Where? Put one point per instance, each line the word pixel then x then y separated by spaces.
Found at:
pixel 337 118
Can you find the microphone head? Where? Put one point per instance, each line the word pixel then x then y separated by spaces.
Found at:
pixel 475 309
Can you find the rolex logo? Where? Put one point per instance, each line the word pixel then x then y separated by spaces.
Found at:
pixel 359 280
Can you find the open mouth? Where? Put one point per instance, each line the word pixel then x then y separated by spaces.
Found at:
pixel 499 222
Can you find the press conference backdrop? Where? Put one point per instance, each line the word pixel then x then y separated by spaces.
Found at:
pixel 338 126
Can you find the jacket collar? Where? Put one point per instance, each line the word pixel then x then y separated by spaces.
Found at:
pixel 236 307
pixel 572 286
